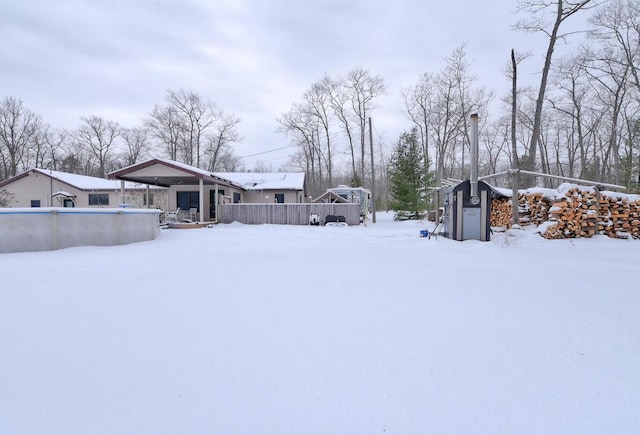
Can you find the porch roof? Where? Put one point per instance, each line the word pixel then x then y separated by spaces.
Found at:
pixel 163 172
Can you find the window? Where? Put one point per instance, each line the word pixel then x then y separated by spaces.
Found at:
pixel 187 200
pixel 279 198
pixel 68 203
pixel 144 199
pixel 35 203
pixel 98 199
pixel 236 197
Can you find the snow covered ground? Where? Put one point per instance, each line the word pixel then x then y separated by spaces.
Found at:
pixel 243 329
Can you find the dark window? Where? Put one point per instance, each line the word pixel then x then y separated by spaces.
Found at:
pixel 279 198
pixel 98 199
pixel 187 200
pixel 236 197
pixel 68 203
pixel 35 203
pixel 144 199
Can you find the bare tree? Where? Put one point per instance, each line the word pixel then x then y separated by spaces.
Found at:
pixel 164 123
pixel 98 136
pixel 609 78
pixel 618 23
pixel 229 162
pixel 136 141
pixel 197 116
pixel 20 129
pixel 537 11
pixel 418 101
pixel 339 100
pixel 363 89
pixel 317 102
pixel 571 84
pixel 218 142
pixel 55 141
pixel 302 129
pixel 192 130
pixel 76 159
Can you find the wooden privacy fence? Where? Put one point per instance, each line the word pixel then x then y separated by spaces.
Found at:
pixel 286 214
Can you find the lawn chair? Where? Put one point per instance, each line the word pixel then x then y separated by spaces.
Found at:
pixel 193 212
pixel 172 216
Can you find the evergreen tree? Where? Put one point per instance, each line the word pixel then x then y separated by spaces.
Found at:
pixel 409 178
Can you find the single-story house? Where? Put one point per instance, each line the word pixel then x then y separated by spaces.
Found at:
pixel 47 188
pixel 192 188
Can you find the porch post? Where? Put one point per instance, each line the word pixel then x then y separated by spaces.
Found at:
pixel 122 200
pixel 215 200
pixel 201 200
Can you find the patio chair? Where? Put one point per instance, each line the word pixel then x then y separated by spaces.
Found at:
pixel 172 216
pixel 193 212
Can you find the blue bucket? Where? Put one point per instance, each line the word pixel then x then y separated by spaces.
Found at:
pixel 424 233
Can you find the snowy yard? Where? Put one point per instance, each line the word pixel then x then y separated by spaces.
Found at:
pixel 242 329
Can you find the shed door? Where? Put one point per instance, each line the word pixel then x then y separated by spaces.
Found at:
pixel 471 223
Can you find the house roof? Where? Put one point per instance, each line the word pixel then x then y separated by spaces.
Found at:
pixel 266 180
pixel 82 182
pixel 164 172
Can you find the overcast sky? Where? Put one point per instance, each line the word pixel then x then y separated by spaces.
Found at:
pixel 253 58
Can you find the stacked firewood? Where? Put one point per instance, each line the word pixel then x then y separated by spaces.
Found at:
pixel 501 213
pixel 619 217
pixel 575 215
pixel 582 212
pixel 571 212
pixel 533 208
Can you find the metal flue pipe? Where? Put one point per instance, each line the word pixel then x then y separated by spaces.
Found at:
pixel 474 155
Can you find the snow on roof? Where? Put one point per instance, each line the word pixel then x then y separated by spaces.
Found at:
pixel 85 182
pixel 265 180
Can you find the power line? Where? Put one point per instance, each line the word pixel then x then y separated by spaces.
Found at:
pixel 266 152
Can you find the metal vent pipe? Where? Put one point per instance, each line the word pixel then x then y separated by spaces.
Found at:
pixel 474 155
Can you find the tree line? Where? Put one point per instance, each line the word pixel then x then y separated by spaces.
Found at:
pixel 581 121
pixel 184 128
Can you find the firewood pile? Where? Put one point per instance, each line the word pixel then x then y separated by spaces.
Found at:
pixel 501 213
pixel 619 217
pixel 575 214
pixel 533 209
pixel 572 212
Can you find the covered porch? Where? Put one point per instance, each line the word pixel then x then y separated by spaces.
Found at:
pixel 194 193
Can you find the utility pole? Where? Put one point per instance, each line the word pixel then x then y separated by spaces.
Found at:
pixel 373 175
pixel 515 166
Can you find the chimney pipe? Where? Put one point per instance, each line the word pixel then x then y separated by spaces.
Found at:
pixel 474 155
